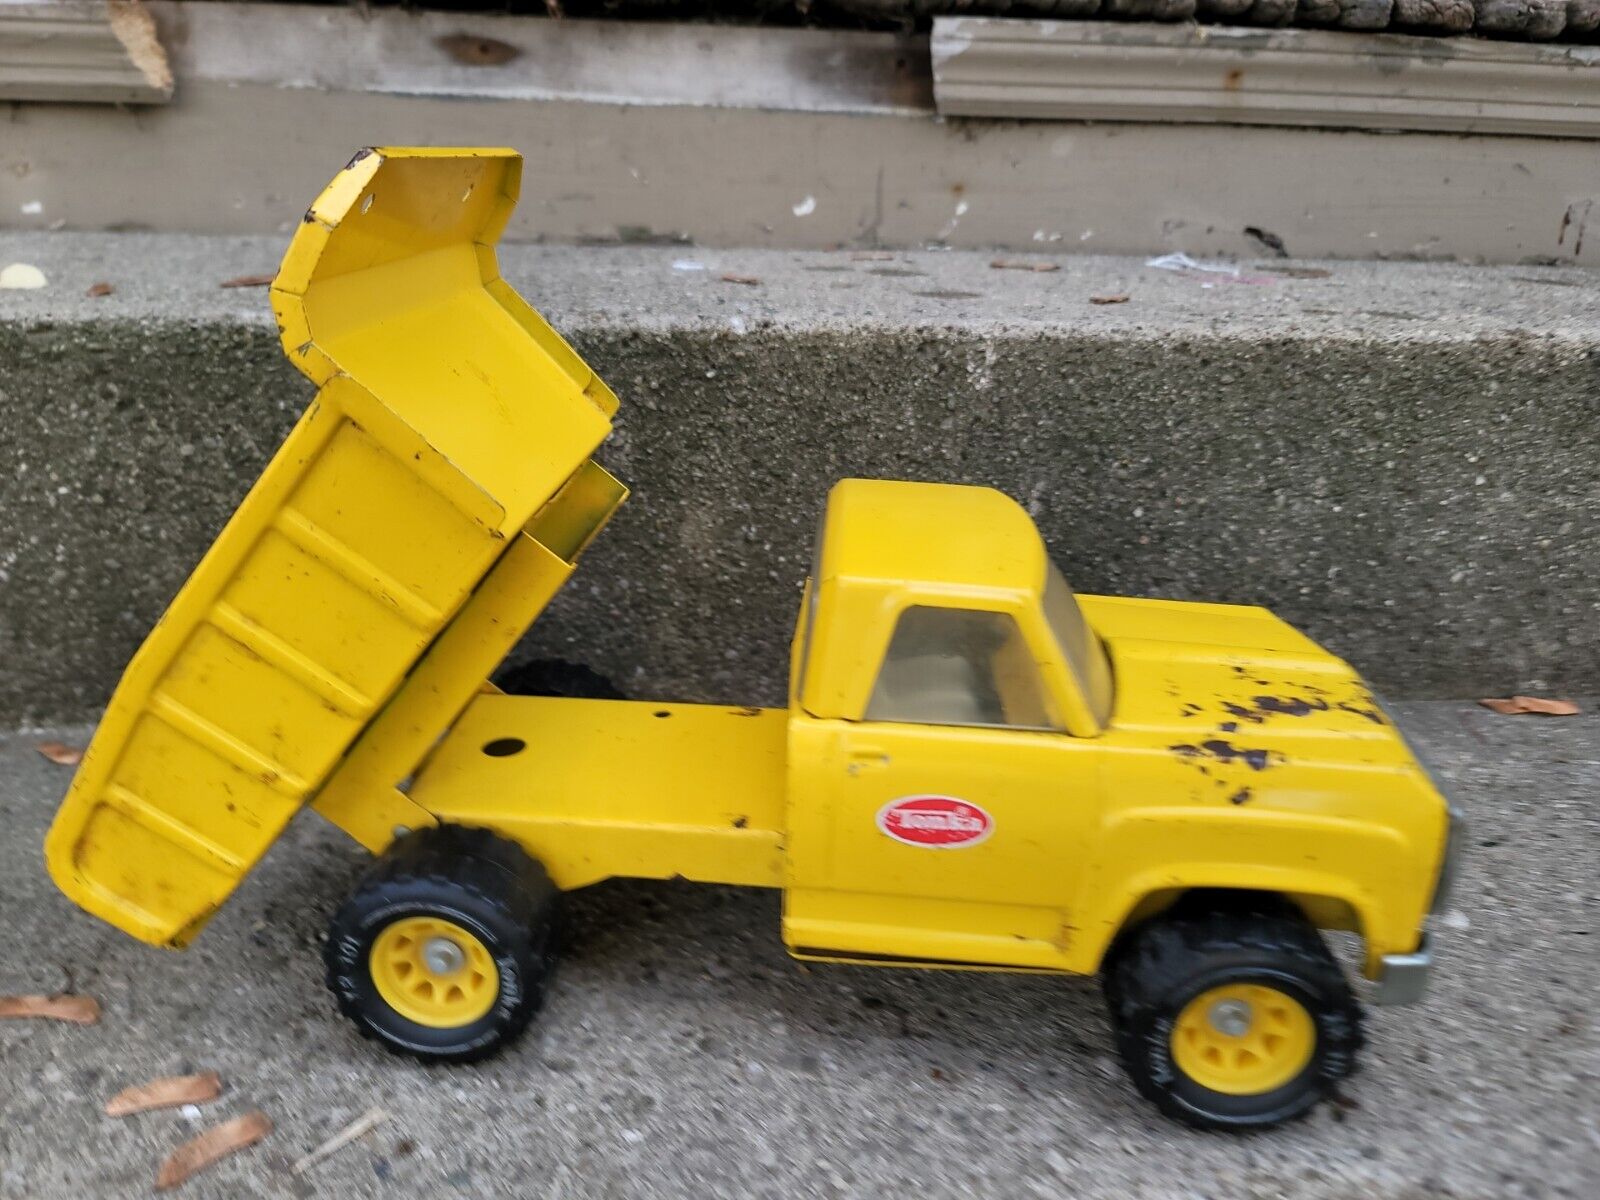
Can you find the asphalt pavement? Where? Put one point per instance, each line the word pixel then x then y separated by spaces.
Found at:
pixel 683 1054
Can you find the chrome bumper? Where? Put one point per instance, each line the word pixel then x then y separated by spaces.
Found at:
pixel 1403 978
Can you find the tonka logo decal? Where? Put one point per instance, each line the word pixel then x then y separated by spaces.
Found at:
pixel 939 822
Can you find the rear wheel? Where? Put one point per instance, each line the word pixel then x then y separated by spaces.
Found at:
pixel 1232 1020
pixel 445 948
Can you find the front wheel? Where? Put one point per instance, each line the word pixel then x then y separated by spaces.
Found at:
pixel 445 948
pixel 1232 1020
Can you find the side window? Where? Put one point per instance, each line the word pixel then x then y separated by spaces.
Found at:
pixel 951 666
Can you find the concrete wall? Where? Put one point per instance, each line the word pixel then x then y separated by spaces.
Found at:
pixel 1400 459
pixel 783 138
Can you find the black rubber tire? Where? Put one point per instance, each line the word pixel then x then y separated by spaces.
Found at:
pixel 557 677
pixel 1171 959
pixel 484 883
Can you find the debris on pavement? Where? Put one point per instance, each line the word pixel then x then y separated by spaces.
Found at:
pixel 360 1127
pixel 168 1092
pixel 100 289
pixel 1120 298
pixel 872 256
pixel 1006 264
pixel 22 275
pixel 60 753
pixel 214 1144
pixel 732 277
pixel 1532 704
pixel 1297 272
pixel 239 281
pixel 1179 261
pixel 78 1010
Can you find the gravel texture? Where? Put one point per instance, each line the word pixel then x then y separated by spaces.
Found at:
pixel 1396 457
pixel 682 1054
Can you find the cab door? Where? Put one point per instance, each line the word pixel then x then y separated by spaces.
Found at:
pixel 952 822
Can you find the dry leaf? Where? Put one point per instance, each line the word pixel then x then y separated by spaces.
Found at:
pixel 1533 704
pixel 1120 299
pixel 248 281
pixel 165 1093
pixel 216 1143
pixel 100 289
pixel 1002 264
pixel 730 277
pixel 360 1127
pixel 80 1010
pixel 60 753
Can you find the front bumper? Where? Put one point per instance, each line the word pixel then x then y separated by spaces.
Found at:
pixel 1403 978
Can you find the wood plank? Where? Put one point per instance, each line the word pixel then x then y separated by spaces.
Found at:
pixel 82 51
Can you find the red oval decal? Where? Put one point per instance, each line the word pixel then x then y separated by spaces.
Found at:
pixel 942 822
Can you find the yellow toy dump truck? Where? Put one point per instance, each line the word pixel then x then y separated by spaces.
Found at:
pixel 975 769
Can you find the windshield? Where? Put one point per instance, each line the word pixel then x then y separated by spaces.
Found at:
pixel 1081 646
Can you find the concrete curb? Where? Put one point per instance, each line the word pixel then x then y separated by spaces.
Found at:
pixel 1398 458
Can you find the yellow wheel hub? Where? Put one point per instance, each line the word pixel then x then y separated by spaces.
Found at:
pixel 1243 1039
pixel 434 972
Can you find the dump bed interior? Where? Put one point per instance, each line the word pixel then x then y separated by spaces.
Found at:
pixel 342 619
pixel 601 788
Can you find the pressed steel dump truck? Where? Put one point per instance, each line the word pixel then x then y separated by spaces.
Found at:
pixel 975 768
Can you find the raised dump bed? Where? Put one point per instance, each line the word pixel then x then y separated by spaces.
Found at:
pixel 337 626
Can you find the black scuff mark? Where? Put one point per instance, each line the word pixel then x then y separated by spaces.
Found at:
pixel 1228 727
pixel 1242 796
pixel 740 822
pixel 1371 714
pixel 1288 706
pixel 1224 752
pixel 1243 714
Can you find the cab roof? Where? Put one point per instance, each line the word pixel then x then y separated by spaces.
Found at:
pixel 940 534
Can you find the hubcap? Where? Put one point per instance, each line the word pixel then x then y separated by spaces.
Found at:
pixel 434 972
pixel 1243 1039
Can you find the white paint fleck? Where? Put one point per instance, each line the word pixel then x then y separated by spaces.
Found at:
pixel 22 275
pixel 806 207
pixel 688 264
pixel 190 1112
pixel 32 208
pixel 1086 235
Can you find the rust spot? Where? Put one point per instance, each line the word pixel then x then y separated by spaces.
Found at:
pixel 1242 796
pixel 471 50
pixel 1232 80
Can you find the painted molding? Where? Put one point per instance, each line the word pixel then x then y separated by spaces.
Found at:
pixel 1217 74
